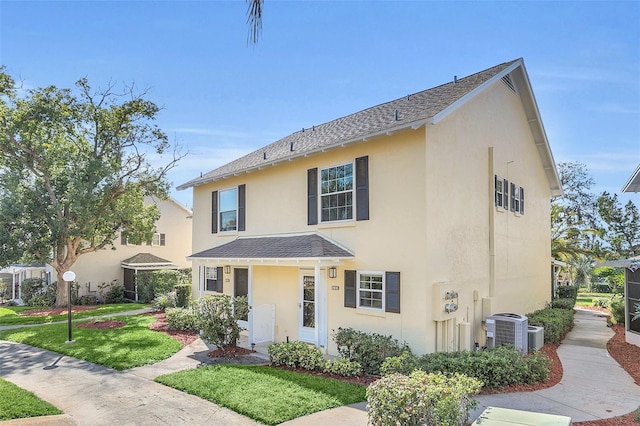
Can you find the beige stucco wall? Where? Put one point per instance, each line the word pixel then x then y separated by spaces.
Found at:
pixel 431 197
pixel 104 266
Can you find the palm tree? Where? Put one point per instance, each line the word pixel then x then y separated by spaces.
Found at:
pixel 254 19
pixel 565 237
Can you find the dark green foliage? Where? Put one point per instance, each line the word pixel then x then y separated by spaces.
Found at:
pixel 88 299
pixel 154 283
pixel 162 302
pixel 114 295
pixel 496 367
pixel 296 354
pixel 563 303
pixel 567 292
pixel 183 295
pixel 405 363
pixel 556 322
pixel 182 319
pixel 36 292
pixel 368 349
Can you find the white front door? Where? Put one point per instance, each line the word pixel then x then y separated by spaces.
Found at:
pixel 307 307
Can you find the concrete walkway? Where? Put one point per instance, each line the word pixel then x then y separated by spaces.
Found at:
pixel 593 387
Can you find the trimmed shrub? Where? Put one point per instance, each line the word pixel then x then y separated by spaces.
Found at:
pixel 183 295
pixel 296 354
pixel 422 399
pixel 563 303
pixel 616 307
pixel 567 292
pixel 164 301
pixel 182 319
pixel 343 367
pixel 36 292
pixel 115 294
pixel 368 349
pixel 152 283
pixel 495 367
pixel 404 363
pixel 219 315
pixel 88 299
pixel 556 322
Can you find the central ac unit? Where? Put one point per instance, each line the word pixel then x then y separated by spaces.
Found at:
pixel 508 329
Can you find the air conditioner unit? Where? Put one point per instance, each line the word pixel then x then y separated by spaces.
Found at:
pixel 508 329
pixel 536 338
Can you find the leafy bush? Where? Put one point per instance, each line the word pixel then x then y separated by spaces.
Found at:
pixel 368 349
pixel 567 292
pixel 182 319
pixel 183 295
pixel 296 354
pixel 152 283
pixel 422 399
pixel 404 363
pixel 637 415
pixel 115 294
pixel 616 307
pixel 556 322
pixel 603 287
pixel 36 292
pixel 343 367
pixel 601 302
pixel 563 303
pixel 164 301
pixel 88 299
pixel 614 277
pixel 219 315
pixel 496 367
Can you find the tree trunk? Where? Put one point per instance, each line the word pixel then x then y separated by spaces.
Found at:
pixel 62 290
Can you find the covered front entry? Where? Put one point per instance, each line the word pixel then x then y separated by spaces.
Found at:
pixel 141 262
pixel 312 307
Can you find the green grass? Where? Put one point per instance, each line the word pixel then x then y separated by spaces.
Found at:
pixel 587 298
pixel 265 394
pixel 17 403
pixel 121 348
pixel 10 315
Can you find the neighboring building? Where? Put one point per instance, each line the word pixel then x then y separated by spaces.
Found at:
pixel 408 218
pixel 168 249
pixel 12 276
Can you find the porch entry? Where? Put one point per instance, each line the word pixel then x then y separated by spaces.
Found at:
pixel 312 307
pixel 241 288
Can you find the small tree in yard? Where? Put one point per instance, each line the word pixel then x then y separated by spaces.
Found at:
pixel 219 316
pixel 74 168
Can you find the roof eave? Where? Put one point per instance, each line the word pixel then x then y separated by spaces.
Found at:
pixel 633 184
pixel 413 125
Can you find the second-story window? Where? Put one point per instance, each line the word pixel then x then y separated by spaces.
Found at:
pixel 336 191
pixel 229 210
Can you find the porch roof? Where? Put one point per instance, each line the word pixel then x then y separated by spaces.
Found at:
pixel 293 247
pixel 147 261
pixel 632 263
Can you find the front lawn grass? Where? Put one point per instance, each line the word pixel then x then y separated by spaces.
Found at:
pixel 266 394
pixel 10 315
pixel 17 403
pixel 121 348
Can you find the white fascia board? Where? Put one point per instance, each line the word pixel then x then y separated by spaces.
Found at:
pixel 633 180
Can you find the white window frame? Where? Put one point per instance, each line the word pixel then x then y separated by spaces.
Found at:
pixel 221 211
pixel 158 238
pixel 500 198
pixel 359 289
pixel 352 191
pixel 214 276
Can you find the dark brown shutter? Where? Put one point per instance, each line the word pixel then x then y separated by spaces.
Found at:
pixel 496 201
pixel 521 200
pixel 219 279
pixel 214 212
pixel 362 188
pixel 513 197
pixel 123 239
pixel 350 289
pixel 241 207
pixel 505 190
pixel 312 196
pixel 162 239
pixel 392 292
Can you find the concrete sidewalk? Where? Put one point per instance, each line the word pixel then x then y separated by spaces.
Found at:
pixel 593 387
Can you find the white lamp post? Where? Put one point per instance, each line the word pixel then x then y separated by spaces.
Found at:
pixel 69 277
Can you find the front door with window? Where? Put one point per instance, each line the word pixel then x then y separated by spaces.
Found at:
pixel 307 307
pixel 241 288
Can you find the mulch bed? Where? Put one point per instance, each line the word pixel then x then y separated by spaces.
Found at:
pixel 184 337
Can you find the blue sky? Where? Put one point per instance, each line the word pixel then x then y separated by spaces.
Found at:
pixel 317 61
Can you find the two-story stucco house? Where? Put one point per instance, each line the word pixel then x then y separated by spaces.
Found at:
pixel 415 218
pixel 168 249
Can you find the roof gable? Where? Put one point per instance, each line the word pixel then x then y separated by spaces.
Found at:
pixel 633 184
pixel 409 112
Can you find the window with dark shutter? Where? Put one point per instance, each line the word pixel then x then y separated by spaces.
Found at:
pixel 505 185
pixel 362 188
pixel 162 239
pixel 123 239
pixel 241 207
pixel 219 280
pixel 214 212
pixel 312 196
pixel 513 197
pixel 392 292
pixel 521 200
pixel 350 289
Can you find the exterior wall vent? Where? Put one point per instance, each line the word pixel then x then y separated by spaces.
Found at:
pixel 507 80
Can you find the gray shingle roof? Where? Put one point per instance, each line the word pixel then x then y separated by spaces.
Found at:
pixel 145 259
pixel 297 246
pixel 408 111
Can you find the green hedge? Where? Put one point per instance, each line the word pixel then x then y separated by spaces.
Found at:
pixel 567 292
pixel 368 349
pixel 563 303
pixel 556 322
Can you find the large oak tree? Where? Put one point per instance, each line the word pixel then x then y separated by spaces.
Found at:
pixel 75 165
